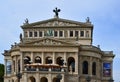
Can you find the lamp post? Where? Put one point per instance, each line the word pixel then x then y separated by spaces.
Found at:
pixel 19 76
pixel 88 78
pixel 59 77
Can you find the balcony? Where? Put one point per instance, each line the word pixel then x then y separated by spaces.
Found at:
pixel 44 67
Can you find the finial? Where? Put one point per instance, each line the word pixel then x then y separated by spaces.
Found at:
pixel 56 10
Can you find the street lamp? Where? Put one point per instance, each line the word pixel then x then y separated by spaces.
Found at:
pixel 59 77
pixel 19 76
pixel 111 80
pixel 88 78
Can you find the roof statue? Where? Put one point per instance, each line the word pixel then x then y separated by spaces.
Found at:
pixel 56 10
pixel 21 37
pixel 88 20
pixel 26 21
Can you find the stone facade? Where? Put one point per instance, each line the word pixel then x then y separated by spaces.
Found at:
pixel 57 50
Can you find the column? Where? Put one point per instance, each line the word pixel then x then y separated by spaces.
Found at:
pixel 42 58
pixel 16 64
pixel 65 60
pixel 49 77
pixel 21 61
pixel 80 63
pixel 5 67
pixel 98 68
pixel 76 62
pixel 90 66
pixel 63 78
pixel 53 58
pixel 37 77
pixel 25 77
pixel 31 57
pixel 84 33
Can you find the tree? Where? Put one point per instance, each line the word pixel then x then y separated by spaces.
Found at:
pixel 1 72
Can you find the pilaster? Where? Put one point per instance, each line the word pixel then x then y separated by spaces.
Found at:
pixel 49 78
pixel 76 62
pixel 5 67
pixel 90 66
pixel 21 61
pixel 53 58
pixel 32 57
pixel 37 77
pixel 42 58
pixel 65 58
pixel 25 77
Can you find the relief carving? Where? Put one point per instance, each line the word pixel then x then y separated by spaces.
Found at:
pixel 57 23
pixel 47 42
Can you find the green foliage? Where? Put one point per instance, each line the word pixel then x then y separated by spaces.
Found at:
pixel 1 73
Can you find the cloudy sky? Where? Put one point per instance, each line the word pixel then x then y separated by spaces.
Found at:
pixel 104 14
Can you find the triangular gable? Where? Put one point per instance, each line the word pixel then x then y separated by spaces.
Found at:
pixel 55 22
pixel 49 41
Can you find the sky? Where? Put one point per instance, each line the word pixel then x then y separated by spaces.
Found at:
pixel 104 15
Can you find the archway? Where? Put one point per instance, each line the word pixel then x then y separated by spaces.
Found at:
pixel 44 79
pixel 54 79
pixel 71 64
pixel 32 79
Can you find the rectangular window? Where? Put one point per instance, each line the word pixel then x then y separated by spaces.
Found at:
pixel 87 33
pixel 35 34
pixel 40 33
pixel 82 33
pixel 61 33
pixel 76 33
pixel 25 34
pixel 71 33
pixel 55 33
pixel 30 34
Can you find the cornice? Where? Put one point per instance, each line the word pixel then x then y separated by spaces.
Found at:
pixel 75 23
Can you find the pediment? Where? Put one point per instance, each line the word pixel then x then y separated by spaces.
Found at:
pixel 49 42
pixel 55 22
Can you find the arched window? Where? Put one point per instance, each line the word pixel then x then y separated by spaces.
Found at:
pixel 37 59
pixel 60 61
pixel 85 67
pixel 93 68
pixel 44 79
pixel 48 60
pixel 27 60
pixel 71 64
